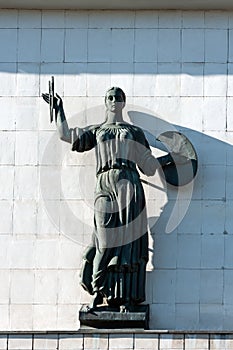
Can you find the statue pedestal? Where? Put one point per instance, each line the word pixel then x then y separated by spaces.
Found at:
pixel 110 318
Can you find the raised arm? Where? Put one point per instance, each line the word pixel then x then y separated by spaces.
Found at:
pixel 60 119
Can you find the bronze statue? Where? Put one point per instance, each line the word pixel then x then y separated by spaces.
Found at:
pixel 114 265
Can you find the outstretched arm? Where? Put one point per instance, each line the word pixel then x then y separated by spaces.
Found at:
pixel 60 119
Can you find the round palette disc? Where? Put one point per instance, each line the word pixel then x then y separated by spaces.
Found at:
pixel 185 163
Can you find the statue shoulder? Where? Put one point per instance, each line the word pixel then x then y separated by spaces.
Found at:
pixel 138 133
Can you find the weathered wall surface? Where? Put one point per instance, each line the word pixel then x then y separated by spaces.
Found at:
pixel 176 70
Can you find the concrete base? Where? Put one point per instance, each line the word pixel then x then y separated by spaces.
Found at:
pixel 110 318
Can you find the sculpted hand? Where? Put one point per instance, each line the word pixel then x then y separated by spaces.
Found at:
pixel 57 101
pixel 178 158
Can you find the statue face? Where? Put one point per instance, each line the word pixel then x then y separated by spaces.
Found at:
pixel 114 101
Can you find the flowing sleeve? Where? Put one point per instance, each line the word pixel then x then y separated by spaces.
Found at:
pixel 146 162
pixel 83 139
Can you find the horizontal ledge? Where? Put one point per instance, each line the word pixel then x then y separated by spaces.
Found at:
pixel 116 331
pixel 119 5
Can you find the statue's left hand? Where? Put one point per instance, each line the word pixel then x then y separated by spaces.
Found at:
pixel 177 158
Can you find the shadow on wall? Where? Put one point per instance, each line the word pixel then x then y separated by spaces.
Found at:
pixel 190 286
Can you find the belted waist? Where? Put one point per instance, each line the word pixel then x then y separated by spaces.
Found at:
pixel 116 166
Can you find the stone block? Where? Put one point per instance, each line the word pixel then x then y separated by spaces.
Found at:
pixel 21 320
pixel 165 251
pixel 213 217
pixel 7 106
pixel 45 317
pixel 190 224
pixel 7 145
pixel 146 42
pixel 29 38
pixel 111 19
pixel 191 112
pixel 26 148
pixel 46 253
pixel 67 316
pixel 28 79
pixel 187 286
pixel 146 341
pixel 46 287
pixel 6 222
pixel 229 181
pixel 21 254
pixel 215 79
pixel 99 45
pixel 27 113
pixel 77 52
pixel 75 80
pixel 192 79
pixel 164 286
pixel 228 263
pixel 168 84
pixel 52 45
pixel 211 287
pixel 70 254
pixel 68 287
pixel 26 209
pixel 193 19
pixel 9 18
pixel 218 342
pixel 213 108
pixel 8 79
pixel 4 318
pixel 162 316
pixel 214 179
pixel 3 342
pixel 123 38
pixel 8 41
pixel 196 341
pixel 187 316
pixel 171 341
pixel 169 45
pixel 147 19
pixel 121 341
pixel 26 182
pixel 212 251
pixel 170 19
pixel 96 341
pixel 211 316
pixel 216 19
pixel 145 79
pixel 48 342
pixel 48 217
pixel 215 38
pixel 29 19
pixel 192 45
pixel 17 342
pixel 122 75
pixel 97 82
pixel 71 341
pixel 76 19
pixel 5 287
pixel 189 251
pixel 22 287
pixel 53 19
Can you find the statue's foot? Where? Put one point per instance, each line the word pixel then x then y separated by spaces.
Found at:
pixel 97 300
pixel 125 308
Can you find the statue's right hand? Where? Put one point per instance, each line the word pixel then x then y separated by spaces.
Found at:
pixel 57 101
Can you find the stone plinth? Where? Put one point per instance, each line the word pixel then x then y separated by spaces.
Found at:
pixel 110 318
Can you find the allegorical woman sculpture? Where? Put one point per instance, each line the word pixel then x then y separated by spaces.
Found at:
pixel 115 265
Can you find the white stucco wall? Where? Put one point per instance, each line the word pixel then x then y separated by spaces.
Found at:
pixel 176 70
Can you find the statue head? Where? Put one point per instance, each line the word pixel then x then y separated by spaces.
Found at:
pixel 115 99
